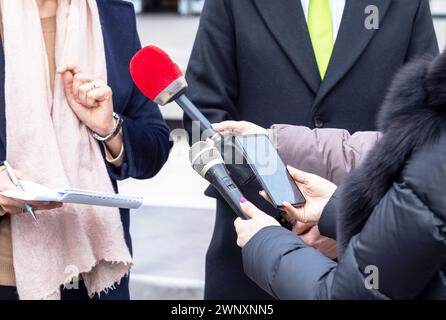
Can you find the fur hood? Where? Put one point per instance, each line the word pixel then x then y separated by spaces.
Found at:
pixel 413 115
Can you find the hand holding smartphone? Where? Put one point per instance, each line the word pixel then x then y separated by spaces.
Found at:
pixel 270 170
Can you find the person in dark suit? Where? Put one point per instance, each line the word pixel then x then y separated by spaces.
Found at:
pixel 133 142
pixel 272 62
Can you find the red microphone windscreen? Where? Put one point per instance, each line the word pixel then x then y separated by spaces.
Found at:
pixel 153 71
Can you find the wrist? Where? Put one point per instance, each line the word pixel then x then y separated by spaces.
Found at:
pixel 106 128
pixel 111 133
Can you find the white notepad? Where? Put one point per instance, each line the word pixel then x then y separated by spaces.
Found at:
pixel 36 192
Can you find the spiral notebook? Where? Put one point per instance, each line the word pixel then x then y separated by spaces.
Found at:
pixel 36 192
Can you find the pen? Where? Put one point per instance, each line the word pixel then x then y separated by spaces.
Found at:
pixel 17 183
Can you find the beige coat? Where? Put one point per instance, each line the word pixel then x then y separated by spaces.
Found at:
pixel 329 153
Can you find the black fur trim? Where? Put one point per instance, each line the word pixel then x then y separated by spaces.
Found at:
pixel 413 115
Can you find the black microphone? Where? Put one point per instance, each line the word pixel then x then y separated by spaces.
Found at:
pixel 207 161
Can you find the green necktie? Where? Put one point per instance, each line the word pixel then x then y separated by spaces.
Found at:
pixel 321 33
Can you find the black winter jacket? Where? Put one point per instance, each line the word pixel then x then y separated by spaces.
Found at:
pixel 391 212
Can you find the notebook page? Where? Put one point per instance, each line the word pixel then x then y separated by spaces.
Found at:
pixel 100 198
pixel 36 192
pixel 33 192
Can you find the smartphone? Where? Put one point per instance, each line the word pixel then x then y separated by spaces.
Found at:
pixel 269 169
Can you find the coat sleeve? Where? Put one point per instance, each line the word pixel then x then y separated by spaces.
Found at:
pixel 284 266
pixel 329 153
pixel 327 221
pixel 399 251
pixel 212 74
pixel 145 137
pixel 423 40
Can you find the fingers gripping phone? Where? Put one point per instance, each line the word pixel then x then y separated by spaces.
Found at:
pixel 270 170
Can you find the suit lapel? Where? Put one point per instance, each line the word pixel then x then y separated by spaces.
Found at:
pixel 287 23
pixel 351 42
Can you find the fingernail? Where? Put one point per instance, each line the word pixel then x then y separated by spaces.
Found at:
pixel 243 200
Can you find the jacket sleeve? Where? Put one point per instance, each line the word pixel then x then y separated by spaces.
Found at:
pixel 284 266
pixel 423 40
pixel 399 251
pixel 327 221
pixel 145 137
pixel 329 153
pixel 212 74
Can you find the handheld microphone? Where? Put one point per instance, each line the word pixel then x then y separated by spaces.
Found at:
pixel 161 80
pixel 207 161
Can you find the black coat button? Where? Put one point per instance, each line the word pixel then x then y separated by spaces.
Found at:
pixel 318 122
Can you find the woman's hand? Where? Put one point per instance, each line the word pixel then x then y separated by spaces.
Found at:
pixel 309 233
pixel 246 229
pixel 238 128
pixel 90 99
pixel 15 206
pixel 316 190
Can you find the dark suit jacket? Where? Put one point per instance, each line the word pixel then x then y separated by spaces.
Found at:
pixel 145 134
pixel 253 60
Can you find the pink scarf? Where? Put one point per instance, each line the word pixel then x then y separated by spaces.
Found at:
pixel 47 142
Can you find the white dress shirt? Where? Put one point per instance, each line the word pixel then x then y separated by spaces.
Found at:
pixel 337 10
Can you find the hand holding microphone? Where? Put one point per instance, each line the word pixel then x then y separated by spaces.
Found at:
pixel 246 229
pixel 238 127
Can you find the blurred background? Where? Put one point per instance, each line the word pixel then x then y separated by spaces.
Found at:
pixel 172 230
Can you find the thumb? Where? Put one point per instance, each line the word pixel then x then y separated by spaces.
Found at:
pixel 299 176
pixel 301 228
pixel 298 213
pixel 251 210
pixel 67 79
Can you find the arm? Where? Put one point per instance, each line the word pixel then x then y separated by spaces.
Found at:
pixel 327 221
pixel 212 74
pixel 329 153
pixel 284 266
pixel 145 137
pixel 423 40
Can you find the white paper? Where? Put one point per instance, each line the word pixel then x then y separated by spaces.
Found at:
pixel 36 192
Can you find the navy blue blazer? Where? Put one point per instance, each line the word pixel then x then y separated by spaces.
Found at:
pixel 145 134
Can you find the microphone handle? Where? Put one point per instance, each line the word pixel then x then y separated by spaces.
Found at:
pixel 192 112
pixel 219 178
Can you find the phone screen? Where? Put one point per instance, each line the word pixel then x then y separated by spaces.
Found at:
pixel 270 169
